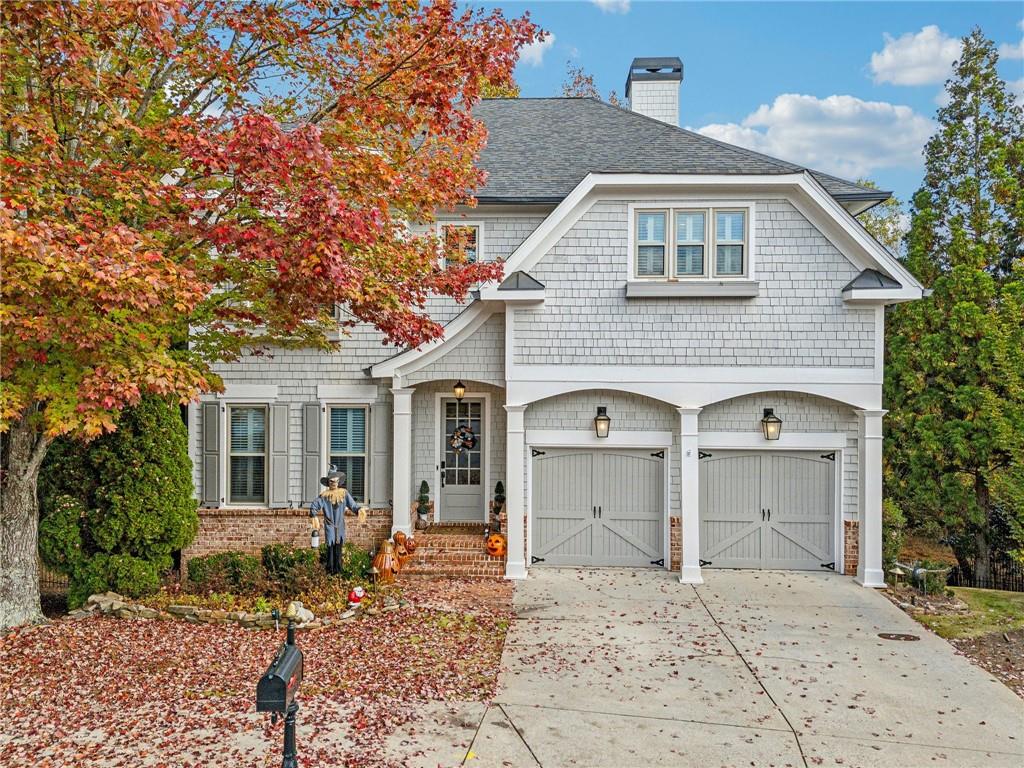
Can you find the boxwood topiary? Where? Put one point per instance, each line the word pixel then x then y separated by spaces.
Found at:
pixel 113 511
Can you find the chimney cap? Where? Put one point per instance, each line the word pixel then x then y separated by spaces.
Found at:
pixel 654 68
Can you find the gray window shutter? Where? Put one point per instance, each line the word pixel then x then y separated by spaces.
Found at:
pixel 211 455
pixel 279 456
pixel 311 461
pixel 380 459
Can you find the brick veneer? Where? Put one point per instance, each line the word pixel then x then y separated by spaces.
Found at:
pixel 675 542
pixel 851 546
pixel 248 530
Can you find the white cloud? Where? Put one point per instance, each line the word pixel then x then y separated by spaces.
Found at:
pixel 1016 87
pixel 612 6
pixel 915 59
pixel 1012 50
pixel 838 134
pixel 533 53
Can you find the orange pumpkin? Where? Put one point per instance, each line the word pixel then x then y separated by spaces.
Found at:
pixel 410 545
pixel 496 545
pixel 399 538
pixel 386 563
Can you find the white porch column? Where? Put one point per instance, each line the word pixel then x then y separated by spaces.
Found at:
pixel 869 566
pixel 689 495
pixel 515 494
pixel 401 470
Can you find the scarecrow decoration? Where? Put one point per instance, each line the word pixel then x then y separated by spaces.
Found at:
pixel 333 503
pixel 462 439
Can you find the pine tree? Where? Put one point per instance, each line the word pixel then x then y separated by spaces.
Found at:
pixel 955 447
pixel 115 510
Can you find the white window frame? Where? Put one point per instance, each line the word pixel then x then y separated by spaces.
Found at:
pixel 637 244
pixel 710 207
pixel 228 453
pixel 325 415
pixel 479 224
pixel 742 242
pixel 675 245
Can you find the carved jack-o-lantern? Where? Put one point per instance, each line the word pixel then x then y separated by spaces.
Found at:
pixel 496 545
pixel 386 563
pixel 399 538
pixel 410 545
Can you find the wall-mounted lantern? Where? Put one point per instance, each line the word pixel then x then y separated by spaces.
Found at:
pixel 459 390
pixel 771 424
pixel 602 422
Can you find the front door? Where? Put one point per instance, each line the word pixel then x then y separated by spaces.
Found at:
pixel 462 467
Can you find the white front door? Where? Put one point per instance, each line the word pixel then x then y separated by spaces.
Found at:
pixel 767 510
pixel 462 469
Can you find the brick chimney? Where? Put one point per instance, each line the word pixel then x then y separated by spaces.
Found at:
pixel 652 87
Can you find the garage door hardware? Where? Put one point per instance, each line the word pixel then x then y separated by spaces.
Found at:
pixel 659 562
pixel 769 515
pixel 829 456
pixel 535 452
pixel 703 455
pixel 659 454
pixel 536 560
pixel 830 566
pixel 702 563
pixel 897 636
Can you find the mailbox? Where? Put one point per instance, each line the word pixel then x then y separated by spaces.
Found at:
pixel 276 690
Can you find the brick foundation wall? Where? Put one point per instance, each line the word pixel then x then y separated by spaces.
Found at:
pixel 675 542
pixel 249 530
pixel 851 546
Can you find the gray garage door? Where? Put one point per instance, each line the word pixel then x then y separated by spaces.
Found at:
pixel 598 507
pixel 767 510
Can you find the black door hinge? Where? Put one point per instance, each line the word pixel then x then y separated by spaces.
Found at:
pixel 536 560
pixel 659 562
pixel 829 456
pixel 703 455
pixel 659 454
pixel 702 563
pixel 831 566
pixel 535 452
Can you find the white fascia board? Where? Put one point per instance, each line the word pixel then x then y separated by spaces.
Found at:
pixel 346 393
pixel 491 293
pixel 457 331
pixel 881 257
pixel 880 295
pixel 788 441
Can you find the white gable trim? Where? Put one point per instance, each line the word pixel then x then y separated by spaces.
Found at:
pixel 457 331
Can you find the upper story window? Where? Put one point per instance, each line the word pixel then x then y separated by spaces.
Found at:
pixel 347 447
pixel 706 243
pixel 462 242
pixel 247 448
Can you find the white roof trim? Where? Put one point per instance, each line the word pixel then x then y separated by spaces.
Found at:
pixel 457 331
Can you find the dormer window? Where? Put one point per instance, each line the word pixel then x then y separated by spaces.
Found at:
pixel 707 243
pixel 461 242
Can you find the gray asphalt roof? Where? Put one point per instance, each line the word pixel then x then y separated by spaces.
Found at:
pixel 538 150
pixel 871 279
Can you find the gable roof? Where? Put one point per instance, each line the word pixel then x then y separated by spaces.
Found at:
pixel 871 279
pixel 538 150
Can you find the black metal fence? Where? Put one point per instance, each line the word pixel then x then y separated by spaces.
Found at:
pixel 1003 574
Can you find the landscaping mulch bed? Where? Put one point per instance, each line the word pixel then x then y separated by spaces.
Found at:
pixel 117 692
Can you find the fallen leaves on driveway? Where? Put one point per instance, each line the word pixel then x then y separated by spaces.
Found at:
pixel 108 692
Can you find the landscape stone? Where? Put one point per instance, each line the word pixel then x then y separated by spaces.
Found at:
pixel 181 610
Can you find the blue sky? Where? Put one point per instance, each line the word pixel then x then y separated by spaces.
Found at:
pixel 848 88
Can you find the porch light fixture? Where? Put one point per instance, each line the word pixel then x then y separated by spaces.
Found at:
pixel 771 424
pixel 602 422
pixel 459 390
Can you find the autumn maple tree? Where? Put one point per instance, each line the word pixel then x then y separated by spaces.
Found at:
pixel 221 172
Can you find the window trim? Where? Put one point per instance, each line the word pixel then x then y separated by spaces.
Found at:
pixel 638 244
pixel 675 245
pixel 710 207
pixel 325 432
pixel 743 242
pixel 228 454
pixel 478 223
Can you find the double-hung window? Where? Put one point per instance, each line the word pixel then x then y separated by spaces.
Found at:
pixel 461 242
pixel 651 229
pixel 247 454
pixel 707 243
pixel 347 446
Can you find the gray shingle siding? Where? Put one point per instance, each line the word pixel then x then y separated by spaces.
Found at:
pixel 481 357
pixel 798 319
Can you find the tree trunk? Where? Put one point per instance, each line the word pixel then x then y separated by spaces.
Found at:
pixel 23 454
pixel 982 544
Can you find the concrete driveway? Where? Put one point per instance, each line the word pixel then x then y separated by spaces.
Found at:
pixel 617 667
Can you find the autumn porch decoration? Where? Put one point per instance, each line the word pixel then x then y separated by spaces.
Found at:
pixel 496 546
pixel 386 563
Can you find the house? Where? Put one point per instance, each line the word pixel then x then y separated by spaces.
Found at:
pixel 689 293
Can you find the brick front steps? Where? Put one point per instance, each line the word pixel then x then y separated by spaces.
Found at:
pixel 448 553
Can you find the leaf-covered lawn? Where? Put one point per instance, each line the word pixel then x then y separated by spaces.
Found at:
pixel 101 692
pixel 991 611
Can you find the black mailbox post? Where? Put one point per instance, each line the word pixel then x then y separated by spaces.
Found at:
pixel 276 691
